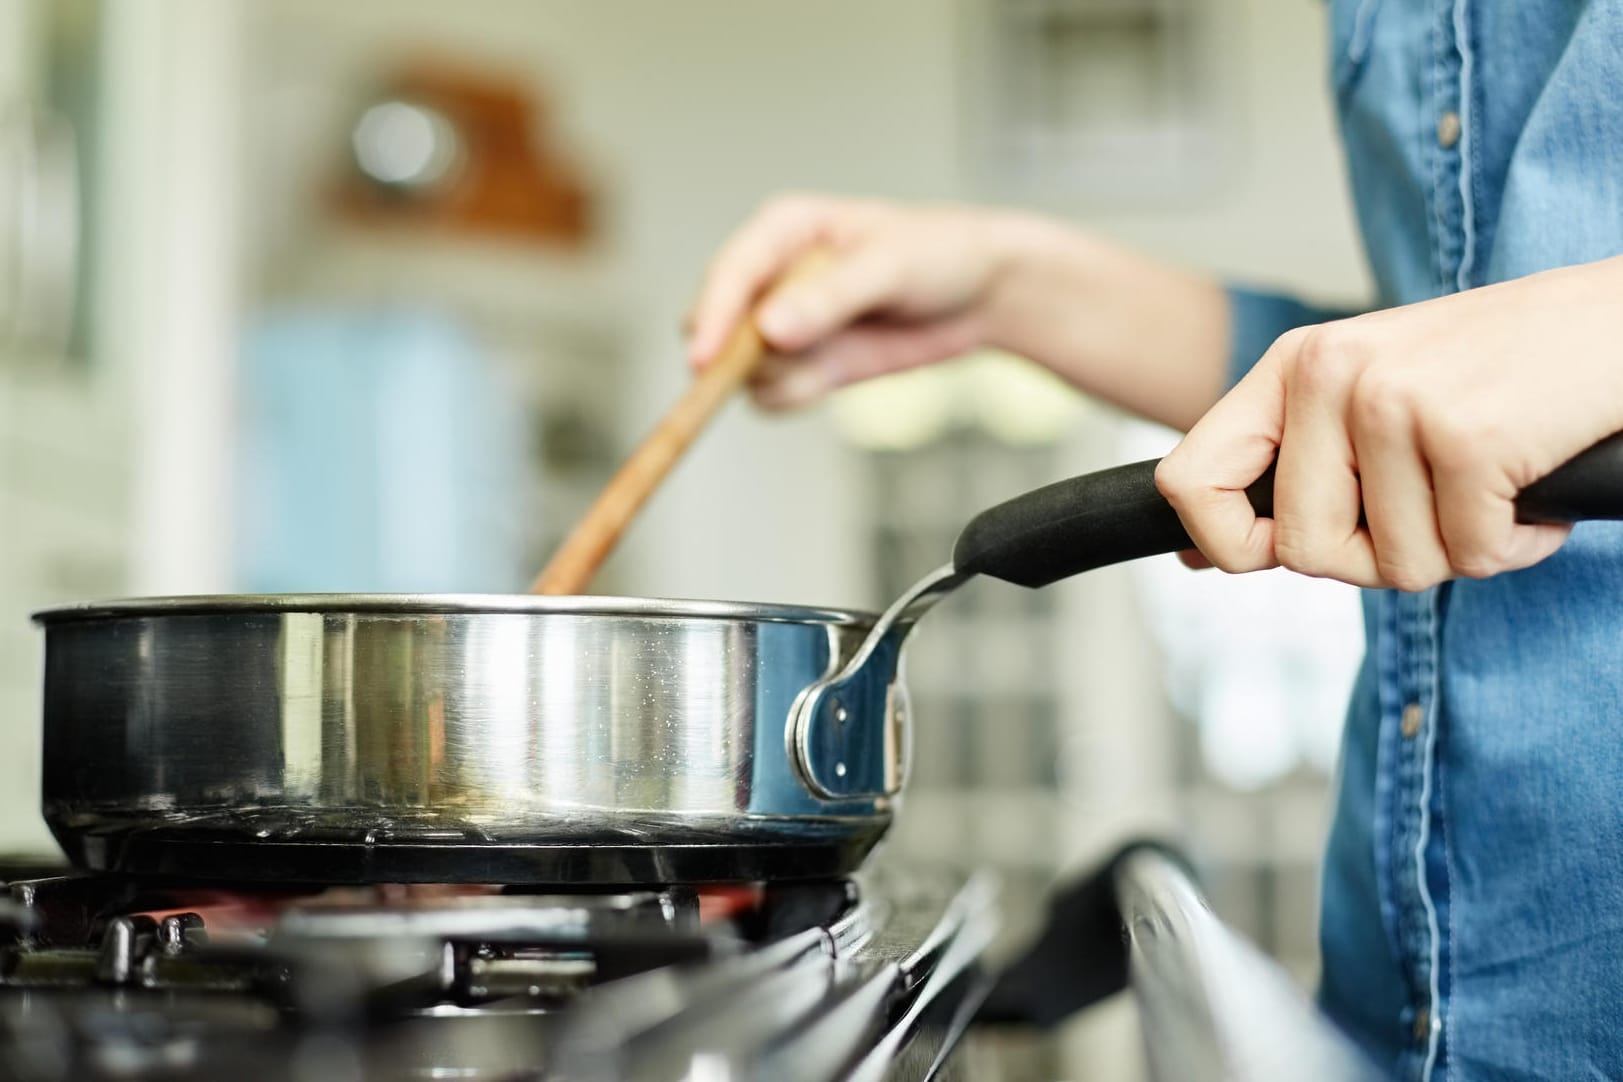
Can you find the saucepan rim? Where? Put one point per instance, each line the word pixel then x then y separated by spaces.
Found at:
pixel 429 604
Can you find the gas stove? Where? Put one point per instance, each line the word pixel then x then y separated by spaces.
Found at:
pixel 104 977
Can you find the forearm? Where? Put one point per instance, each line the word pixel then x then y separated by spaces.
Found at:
pixel 1148 337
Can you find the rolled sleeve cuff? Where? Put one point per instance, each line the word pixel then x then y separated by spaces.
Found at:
pixel 1257 318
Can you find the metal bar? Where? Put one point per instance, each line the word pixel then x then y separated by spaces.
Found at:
pixel 1212 1006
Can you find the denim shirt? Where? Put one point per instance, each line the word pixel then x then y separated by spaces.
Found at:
pixel 1472 922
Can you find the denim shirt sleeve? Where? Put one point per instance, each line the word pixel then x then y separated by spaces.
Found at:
pixel 1258 317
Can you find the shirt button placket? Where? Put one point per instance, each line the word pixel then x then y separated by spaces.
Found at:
pixel 1410 722
pixel 1414 668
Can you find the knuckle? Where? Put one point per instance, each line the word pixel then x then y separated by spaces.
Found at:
pixel 1299 550
pixel 1174 479
pixel 1292 339
pixel 1384 400
pixel 1324 355
pixel 1476 566
pixel 1479 559
pixel 1295 339
pixel 1403 573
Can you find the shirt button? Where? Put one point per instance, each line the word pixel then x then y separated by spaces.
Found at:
pixel 1413 715
pixel 1448 130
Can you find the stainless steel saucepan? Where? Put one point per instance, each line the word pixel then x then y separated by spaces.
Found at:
pixel 339 738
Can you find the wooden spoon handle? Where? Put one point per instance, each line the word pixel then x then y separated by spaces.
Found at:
pixel 571 568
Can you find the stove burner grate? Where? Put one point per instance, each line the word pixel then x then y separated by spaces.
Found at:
pixel 104 977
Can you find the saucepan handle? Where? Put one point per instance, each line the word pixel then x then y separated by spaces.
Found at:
pixel 1117 515
pixel 1061 530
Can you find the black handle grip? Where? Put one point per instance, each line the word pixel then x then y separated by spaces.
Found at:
pixel 1117 515
pixel 1587 486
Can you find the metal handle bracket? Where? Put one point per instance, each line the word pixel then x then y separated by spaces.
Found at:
pixel 820 730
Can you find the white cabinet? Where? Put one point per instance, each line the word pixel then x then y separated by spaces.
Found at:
pixel 112 413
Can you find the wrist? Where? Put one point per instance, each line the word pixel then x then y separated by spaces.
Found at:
pixel 1039 270
pixel 1144 335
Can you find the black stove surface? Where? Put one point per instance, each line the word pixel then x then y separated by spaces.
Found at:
pixel 110 978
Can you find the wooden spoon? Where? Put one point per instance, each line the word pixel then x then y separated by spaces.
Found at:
pixel 571 568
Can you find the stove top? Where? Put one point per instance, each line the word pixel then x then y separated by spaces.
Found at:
pixel 104 977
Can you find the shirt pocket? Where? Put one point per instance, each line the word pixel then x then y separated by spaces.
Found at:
pixel 1352 25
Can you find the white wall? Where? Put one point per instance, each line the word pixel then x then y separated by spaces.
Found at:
pixel 1281 214
pixel 695 112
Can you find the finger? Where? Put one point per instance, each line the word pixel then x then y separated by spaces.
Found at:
pixel 858 353
pixel 1399 505
pixel 783 383
pixel 1476 516
pixel 746 264
pixel 1317 494
pixel 1206 475
pixel 874 349
pixel 1194 561
pixel 802 312
pixel 1534 543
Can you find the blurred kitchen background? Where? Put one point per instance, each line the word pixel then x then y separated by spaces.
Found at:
pixel 297 295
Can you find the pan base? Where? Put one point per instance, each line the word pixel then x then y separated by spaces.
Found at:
pixel 600 856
